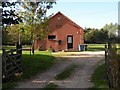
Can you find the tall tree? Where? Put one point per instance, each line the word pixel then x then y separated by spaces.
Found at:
pixel 9 17
pixel 33 16
pixel 112 32
pixel 111 28
pixel 96 36
pixel 17 33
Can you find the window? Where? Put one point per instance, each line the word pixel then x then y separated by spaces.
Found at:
pixel 69 39
pixel 51 37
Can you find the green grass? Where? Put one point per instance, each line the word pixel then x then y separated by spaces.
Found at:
pixel 9 47
pixel 99 77
pixel 32 65
pixel 14 47
pixel 50 86
pixel 96 47
pixel 91 47
pixel 66 73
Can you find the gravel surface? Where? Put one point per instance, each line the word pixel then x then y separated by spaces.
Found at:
pixel 86 63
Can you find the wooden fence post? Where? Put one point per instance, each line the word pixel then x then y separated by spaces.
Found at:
pixel 11 51
pixel 3 50
pixel 19 49
pixel 3 64
pixel 105 53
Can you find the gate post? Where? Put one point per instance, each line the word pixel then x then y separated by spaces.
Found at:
pixel 3 51
pixel 105 53
pixel 19 48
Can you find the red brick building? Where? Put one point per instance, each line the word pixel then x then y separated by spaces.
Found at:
pixel 64 35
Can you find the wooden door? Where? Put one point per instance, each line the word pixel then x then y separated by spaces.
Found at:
pixel 69 42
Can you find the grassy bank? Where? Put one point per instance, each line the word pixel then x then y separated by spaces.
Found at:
pixel 99 77
pixel 31 66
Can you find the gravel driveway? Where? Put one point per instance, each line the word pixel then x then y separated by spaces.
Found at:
pixel 86 62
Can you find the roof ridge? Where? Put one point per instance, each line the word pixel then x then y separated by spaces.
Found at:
pixel 69 19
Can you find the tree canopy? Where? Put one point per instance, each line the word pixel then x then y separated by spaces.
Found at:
pixel 103 35
pixel 28 18
pixel 9 14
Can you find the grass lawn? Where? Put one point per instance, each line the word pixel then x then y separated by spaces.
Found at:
pixel 96 47
pixel 14 47
pixel 90 47
pixel 8 47
pixel 31 66
pixel 99 78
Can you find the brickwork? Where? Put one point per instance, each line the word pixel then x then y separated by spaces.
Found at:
pixel 61 26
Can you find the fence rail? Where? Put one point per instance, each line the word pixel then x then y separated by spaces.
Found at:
pixel 11 62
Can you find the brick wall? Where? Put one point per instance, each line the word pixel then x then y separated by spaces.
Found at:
pixel 62 27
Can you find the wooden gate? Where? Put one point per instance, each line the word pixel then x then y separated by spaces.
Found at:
pixel 11 62
pixel 112 66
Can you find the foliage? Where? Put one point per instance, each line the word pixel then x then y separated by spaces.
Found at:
pixel 34 17
pixel 111 28
pixel 5 37
pixel 9 14
pixel 16 32
pixel 95 36
pixel 31 21
pixel 9 17
pixel 88 36
pixel 108 33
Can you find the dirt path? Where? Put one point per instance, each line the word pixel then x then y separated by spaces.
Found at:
pixel 86 61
